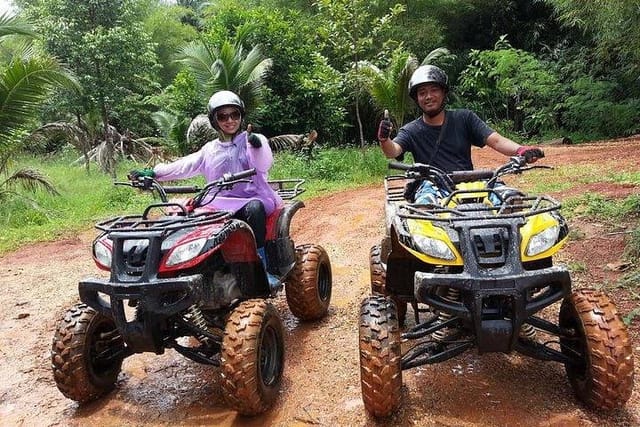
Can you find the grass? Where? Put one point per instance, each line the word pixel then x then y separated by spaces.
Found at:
pixel 85 199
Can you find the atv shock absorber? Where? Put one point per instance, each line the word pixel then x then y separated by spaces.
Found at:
pixel 453 295
pixel 527 331
pixel 198 320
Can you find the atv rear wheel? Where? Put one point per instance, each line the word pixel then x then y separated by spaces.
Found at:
pixel 602 370
pixel 380 356
pixel 252 357
pixel 308 288
pixel 86 354
pixel 379 281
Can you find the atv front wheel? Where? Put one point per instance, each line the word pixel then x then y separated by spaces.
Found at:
pixel 308 289
pixel 380 356
pixel 379 281
pixel 252 357
pixel 601 367
pixel 86 354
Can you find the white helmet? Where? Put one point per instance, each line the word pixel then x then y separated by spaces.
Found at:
pixel 427 74
pixel 223 98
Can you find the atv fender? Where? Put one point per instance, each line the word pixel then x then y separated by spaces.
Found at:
pixel 281 253
pixel 238 250
pixel 401 266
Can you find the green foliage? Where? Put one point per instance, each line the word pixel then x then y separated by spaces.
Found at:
pixel 347 166
pixel 593 110
pixel 598 207
pixel 388 87
pixel 168 32
pixel 82 200
pixel 610 25
pixel 514 85
pixel 228 67
pixel 25 81
pixel 104 43
pixel 304 91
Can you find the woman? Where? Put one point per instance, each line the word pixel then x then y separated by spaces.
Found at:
pixel 233 151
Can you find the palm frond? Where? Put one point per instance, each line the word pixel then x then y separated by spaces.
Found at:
pixel 440 56
pixel 200 130
pixel 165 121
pixel 388 87
pixel 199 59
pixel 24 85
pixel 29 179
pixel 11 25
pixel 70 132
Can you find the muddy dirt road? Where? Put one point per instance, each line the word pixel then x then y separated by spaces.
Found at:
pixel 321 380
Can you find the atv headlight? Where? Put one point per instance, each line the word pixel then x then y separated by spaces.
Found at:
pixel 186 251
pixel 434 248
pixel 543 240
pixel 102 254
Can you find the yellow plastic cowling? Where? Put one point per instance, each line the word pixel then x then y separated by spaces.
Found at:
pixel 536 224
pixel 427 229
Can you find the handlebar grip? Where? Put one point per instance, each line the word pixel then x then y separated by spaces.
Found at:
pixel 239 175
pixel 182 189
pixel 399 165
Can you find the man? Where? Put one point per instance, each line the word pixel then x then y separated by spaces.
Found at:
pixel 443 138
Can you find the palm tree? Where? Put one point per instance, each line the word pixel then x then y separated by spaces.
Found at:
pixel 25 82
pixel 228 68
pixel 388 88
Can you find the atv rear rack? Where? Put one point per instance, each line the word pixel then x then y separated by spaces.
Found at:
pixel 288 188
pixel 394 187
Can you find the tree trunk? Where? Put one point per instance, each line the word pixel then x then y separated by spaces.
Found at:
pixel 84 145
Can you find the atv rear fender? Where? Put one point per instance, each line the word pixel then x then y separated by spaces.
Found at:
pixel 280 248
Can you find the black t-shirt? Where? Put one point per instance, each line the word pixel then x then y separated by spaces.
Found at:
pixel 463 129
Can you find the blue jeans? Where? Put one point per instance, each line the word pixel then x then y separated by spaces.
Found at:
pixel 428 193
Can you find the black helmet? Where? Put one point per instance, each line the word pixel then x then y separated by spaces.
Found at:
pixel 427 74
pixel 223 98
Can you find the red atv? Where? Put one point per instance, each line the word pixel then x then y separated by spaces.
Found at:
pixel 178 271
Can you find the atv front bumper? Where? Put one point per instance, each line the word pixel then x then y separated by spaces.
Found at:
pixel 155 302
pixel 494 306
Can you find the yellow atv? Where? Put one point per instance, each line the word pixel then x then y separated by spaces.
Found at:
pixel 477 268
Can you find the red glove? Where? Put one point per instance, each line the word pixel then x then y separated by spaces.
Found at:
pixel 384 130
pixel 531 154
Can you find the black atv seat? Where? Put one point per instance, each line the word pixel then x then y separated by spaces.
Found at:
pixel 468 176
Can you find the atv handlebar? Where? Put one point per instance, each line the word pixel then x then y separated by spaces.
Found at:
pixel 448 180
pixel 226 181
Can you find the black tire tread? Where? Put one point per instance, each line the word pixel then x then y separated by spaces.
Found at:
pixel 380 356
pixel 379 280
pixel 301 288
pixel 240 358
pixel 608 380
pixel 70 369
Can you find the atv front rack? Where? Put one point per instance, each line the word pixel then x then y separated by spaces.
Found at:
pixel 142 223
pixel 512 207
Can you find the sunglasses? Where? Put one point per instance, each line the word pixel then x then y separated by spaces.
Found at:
pixel 223 117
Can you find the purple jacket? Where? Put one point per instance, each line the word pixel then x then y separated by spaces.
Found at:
pixel 215 159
